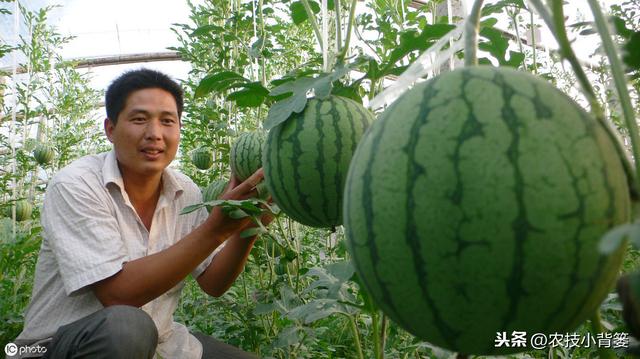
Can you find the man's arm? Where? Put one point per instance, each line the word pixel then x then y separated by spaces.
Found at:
pixel 144 279
pixel 226 266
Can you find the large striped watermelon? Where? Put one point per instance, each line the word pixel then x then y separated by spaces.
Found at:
pixel 474 206
pixel 306 159
pixel 246 154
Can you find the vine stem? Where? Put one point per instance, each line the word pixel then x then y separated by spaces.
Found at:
pixel 596 328
pixel 569 55
pixel 376 335
pixel 619 80
pixel 472 27
pixel 352 15
pixel 356 335
pixel 314 22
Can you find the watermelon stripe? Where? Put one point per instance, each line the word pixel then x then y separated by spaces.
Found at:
pixel 413 236
pixel 306 213
pixel 337 175
pixel 279 142
pixel 573 277
pixel 320 160
pixel 370 244
pixel 610 213
pixel 520 224
pixel 470 129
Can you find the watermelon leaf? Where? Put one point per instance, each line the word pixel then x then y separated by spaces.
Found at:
pixel 252 232
pixel 613 239
pixel 321 86
pixel 299 14
pixel 252 94
pixel 219 81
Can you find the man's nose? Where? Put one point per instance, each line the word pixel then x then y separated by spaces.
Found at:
pixel 153 130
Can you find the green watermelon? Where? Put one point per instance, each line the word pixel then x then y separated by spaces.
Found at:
pixel 202 158
pixel 23 210
pixel 306 159
pixel 246 154
pixel 214 190
pixel 475 204
pixel 43 154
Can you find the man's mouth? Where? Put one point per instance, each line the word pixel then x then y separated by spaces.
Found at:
pixel 151 153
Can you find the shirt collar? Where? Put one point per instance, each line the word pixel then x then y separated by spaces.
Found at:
pixel 111 174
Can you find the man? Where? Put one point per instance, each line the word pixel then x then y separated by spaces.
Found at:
pixel 115 250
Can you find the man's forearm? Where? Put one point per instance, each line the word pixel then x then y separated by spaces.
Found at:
pixel 226 266
pixel 144 279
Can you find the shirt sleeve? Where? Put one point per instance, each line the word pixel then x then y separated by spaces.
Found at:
pixel 83 234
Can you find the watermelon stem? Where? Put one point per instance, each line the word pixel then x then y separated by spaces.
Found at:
pixel 472 27
pixel 356 335
pixel 376 335
pixel 596 328
pixel 314 22
pixel 352 15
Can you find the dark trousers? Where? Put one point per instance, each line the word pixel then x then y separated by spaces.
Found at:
pixel 123 332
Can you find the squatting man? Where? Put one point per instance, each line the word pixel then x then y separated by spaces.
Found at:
pixel 115 251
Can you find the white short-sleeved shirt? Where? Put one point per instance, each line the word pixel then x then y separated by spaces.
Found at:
pixel 90 229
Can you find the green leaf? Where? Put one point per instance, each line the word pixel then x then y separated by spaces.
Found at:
pixel 281 110
pixel 316 309
pixel 237 213
pixel 253 94
pixel 631 56
pixel 299 14
pixel 202 30
pixel 300 88
pixel 410 40
pixel 614 238
pixel 252 232
pixel 500 5
pixel 219 81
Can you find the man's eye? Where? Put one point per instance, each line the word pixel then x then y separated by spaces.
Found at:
pixel 168 121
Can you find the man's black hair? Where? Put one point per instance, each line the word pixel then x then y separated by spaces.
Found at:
pixel 131 81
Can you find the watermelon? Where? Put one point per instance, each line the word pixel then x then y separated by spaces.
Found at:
pixel 43 154
pixel 214 190
pixel 306 159
pixel 475 204
pixel 23 210
pixel 246 154
pixel 202 158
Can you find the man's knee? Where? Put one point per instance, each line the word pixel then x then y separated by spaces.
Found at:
pixel 130 330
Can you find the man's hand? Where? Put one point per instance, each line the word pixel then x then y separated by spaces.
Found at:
pixel 223 225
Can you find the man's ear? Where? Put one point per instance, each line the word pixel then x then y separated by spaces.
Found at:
pixel 108 129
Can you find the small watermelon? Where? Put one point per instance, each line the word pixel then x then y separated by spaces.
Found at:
pixel 214 190
pixel 23 210
pixel 202 158
pixel 246 154
pixel 43 154
pixel 306 159
pixel 474 206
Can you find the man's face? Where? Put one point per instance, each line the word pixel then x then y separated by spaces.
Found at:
pixel 147 132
